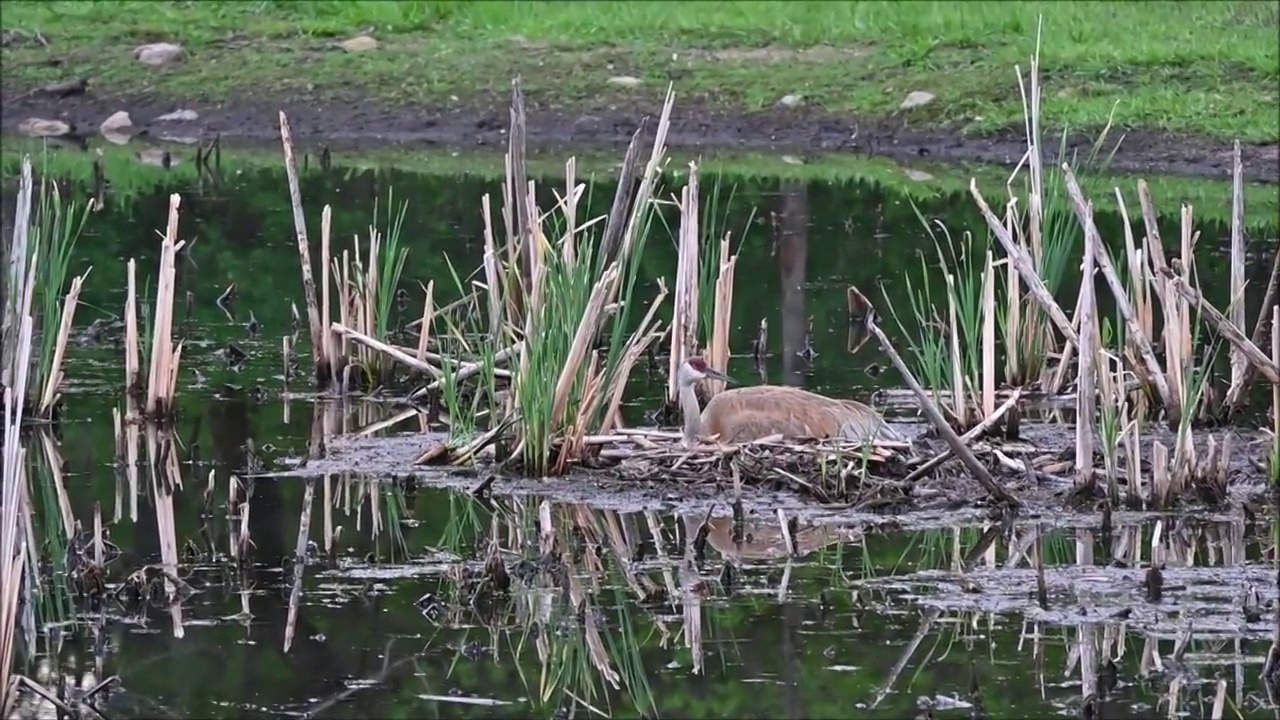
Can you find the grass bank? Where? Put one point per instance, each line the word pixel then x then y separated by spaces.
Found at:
pixel 1199 68
pixel 130 178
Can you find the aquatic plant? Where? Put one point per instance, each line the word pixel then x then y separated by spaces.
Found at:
pixel 367 286
pixel 551 293
pixel 53 236
pixel 955 354
pixel 46 243
pixel 14 509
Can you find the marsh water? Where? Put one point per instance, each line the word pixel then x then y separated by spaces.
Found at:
pixel 389 615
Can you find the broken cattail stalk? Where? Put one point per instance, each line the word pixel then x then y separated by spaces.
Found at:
pixel 1236 395
pixel 718 353
pixel 684 321
pixel 54 383
pixel 973 433
pixel 323 370
pixel 1229 331
pixel 164 356
pixel 469 370
pixel 1086 397
pixel 330 351
pixel 1275 397
pixel 1235 310
pixel 959 399
pixel 386 349
pixel 428 312
pixel 988 337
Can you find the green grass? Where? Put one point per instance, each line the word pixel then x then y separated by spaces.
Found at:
pixel 1207 68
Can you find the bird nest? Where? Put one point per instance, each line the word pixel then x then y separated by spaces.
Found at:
pixel 827 470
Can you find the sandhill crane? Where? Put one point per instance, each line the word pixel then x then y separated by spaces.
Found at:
pixel 749 413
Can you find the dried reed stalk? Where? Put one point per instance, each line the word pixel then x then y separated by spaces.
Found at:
pixel 132 345
pixel 162 379
pixel 684 321
pixel 1238 340
pixel 15 271
pixel 335 359
pixel 428 315
pixel 1235 310
pixel 988 337
pixel 493 282
pixel 1086 396
pixel 54 383
pixel 324 370
pixel 1275 396
pixel 389 350
pixel 14 511
pixel 718 353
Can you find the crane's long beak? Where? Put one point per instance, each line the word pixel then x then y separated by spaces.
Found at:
pixel 717 375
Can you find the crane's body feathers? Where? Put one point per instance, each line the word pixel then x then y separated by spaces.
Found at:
pixel 745 414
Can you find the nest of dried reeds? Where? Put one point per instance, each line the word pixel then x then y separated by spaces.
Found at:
pixel 828 471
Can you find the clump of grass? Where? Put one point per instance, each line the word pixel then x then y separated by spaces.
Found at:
pixel 14 510
pixel 953 341
pixel 558 304
pixel 367 286
pixel 57 229
pixel 46 244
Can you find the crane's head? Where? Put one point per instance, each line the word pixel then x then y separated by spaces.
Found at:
pixel 695 369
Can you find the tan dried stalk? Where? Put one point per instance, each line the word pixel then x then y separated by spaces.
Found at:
pixel 684 321
pixel 324 370
pixel 164 358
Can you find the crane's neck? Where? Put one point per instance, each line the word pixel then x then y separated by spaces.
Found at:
pixel 692 414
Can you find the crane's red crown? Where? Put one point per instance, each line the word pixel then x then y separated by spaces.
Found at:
pixel 697 363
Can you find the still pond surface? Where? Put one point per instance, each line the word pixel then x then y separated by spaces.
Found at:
pixel 392 615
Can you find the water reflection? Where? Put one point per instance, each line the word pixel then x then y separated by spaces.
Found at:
pixel 791 239
pixel 344 595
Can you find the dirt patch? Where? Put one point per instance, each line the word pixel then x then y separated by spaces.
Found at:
pixel 352 123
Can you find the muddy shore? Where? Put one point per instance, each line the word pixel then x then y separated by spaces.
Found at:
pixel 351 124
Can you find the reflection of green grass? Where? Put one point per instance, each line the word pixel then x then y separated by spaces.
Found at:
pixel 1207 68
pixel 130 178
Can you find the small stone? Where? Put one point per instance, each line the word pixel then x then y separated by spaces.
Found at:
pixel 792 160
pixel 179 116
pixel 791 101
pixel 118 122
pixel 916 99
pixel 360 43
pixel 625 81
pixel 156 54
pixel 918 175
pixel 39 127
pixel 117 129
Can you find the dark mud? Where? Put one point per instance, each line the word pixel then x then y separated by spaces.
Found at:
pixel 354 123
